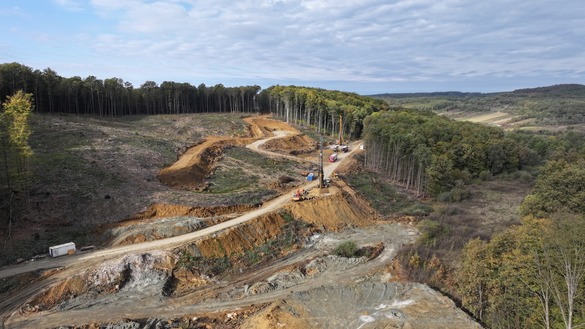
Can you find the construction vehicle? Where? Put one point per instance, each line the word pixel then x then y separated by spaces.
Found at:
pixel 301 195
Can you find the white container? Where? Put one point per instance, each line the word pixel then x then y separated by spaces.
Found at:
pixel 62 249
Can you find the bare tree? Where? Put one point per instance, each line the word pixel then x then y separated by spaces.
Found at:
pixel 564 258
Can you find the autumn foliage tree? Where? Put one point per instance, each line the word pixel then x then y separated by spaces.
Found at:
pixel 14 151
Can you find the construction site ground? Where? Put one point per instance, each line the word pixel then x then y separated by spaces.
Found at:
pixel 269 264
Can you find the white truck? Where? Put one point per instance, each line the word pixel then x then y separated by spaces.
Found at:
pixel 62 249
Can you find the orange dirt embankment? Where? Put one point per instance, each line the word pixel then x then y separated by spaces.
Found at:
pixel 243 237
pixel 294 145
pixel 194 166
pixel 333 212
pixel 277 316
pixel 163 210
pixel 190 171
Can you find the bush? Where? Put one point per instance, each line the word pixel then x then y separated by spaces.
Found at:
pixel 285 179
pixel 430 231
pixel 346 249
pixel 460 193
pixel 444 197
pixel 525 177
pixel 417 209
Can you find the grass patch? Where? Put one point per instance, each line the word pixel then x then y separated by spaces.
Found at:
pixel 262 163
pixel 244 170
pixel 229 179
pixel 384 197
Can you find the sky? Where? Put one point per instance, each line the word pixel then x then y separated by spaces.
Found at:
pixel 363 46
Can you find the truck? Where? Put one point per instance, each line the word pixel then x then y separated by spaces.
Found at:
pixel 62 249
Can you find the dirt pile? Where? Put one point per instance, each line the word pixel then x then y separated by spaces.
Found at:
pixel 364 305
pixel 278 315
pixel 190 171
pixel 294 145
pixel 334 212
pixel 330 212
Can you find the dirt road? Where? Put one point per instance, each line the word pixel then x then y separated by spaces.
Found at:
pixel 174 242
pixel 70 265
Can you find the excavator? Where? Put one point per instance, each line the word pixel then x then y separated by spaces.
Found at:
pixel 301 195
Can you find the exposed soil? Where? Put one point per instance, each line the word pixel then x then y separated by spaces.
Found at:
pixel 195 165
pixel 363 305
pixel 256 265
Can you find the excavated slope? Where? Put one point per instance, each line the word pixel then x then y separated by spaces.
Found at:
pixel 365 306
pixel 128 272
pixel 162 210
pixel 243 237
pixel 190 171
pixel 334 212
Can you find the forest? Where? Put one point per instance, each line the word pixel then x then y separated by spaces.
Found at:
pixel 552 105
pixel 114 97
pixel 527 275
pixel 323 109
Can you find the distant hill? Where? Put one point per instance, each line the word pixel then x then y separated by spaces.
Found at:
pixel 455 94
pixel 564 90
pixel 562 104
pixel 555 90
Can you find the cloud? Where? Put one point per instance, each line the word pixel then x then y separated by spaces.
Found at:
pixel 354 41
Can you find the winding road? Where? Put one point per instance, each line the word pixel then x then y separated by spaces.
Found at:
pixel 69 265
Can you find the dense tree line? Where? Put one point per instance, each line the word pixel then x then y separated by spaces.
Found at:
pixel 114 96
pixel 433 154
pixel 323 109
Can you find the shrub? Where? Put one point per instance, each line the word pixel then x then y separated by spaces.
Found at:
pixel 459 193
pixel 346 249
pixel 430 231
pixel 285 179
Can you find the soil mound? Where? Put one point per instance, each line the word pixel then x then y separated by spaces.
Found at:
pixel 294 145
pixel 334 212
pixel 190 171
